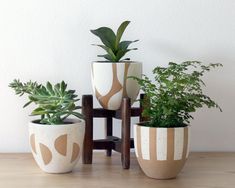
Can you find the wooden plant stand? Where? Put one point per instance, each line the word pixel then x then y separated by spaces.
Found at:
pixel 123 144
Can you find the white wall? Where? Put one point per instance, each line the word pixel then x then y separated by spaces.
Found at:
pixel 50 40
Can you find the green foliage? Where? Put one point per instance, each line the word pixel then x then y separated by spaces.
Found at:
pixel 176 92
pixel 54 103
pixel 112 43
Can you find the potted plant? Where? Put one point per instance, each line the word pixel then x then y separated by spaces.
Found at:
pixel 162 142
pixel 109 77
pixel 56 141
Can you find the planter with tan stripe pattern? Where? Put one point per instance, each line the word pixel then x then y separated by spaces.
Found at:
pixel 110 84
pixel 161 152
pixel 57 148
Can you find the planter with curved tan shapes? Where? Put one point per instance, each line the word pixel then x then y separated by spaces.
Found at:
pixel 57 148
pixel 161 152
pixel 110 83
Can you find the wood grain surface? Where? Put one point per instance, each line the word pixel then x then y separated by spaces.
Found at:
pixel 202 170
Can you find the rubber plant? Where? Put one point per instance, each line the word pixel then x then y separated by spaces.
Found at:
pixel 109 76
pixel 54 103
pixel 112 44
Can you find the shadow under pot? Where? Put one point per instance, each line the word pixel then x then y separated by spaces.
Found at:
pixel 57 148
pixel 110 83
pixel 161 152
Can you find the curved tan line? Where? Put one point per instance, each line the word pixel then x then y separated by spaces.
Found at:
pixel 75 152
pixel 116 87
pixel 32 143
pixel 46 153
pixel 61 144
pixel 127 65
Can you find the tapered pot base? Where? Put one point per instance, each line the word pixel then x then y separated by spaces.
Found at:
pixel 161 152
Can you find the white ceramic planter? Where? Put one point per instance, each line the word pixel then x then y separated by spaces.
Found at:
pixel 57 148
pixel 110 83
pixel 161 152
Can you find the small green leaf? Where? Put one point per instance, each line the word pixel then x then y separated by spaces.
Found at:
pixel 49 88
pixel 125 44
pixel 28 103
pixel 109 51
pixel 106 56
pixel 63 87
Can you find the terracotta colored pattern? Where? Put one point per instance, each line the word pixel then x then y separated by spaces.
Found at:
pixel 161 155
pixel 61 144
pixel 32 143
pixel 116 87
pixel 46 153
pixel 75 152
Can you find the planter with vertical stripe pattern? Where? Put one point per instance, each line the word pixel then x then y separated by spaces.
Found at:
pixel 161 152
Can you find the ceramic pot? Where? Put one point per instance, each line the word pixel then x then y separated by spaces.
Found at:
pixel 161 152
pixel 57 148
pixel 110 83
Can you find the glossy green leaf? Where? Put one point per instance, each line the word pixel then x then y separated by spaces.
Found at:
pixel 125 44
pixel 106 35
pixel 120 32
pixel 109 51
pixel 107 56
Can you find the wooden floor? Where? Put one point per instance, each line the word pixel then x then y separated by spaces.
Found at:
pixel 202 170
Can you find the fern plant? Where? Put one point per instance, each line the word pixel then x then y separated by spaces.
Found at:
pixel 175 94
pixel 112 44
pixel 54 103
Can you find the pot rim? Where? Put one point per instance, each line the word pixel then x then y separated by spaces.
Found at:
pixel 140 125
pixel 71 122
pixel 120 62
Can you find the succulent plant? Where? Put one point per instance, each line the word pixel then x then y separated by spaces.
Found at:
pixel 54 103
pixel 112 43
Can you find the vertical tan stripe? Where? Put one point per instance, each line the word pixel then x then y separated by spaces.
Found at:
pixel 125 79
pixel 170 143
pixel 32 143
pixel 153 143
pixel 185 143
pixel 138 133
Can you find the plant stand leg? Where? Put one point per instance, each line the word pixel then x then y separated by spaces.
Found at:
pixel 87 111
pixel 109 132
pixel 126 116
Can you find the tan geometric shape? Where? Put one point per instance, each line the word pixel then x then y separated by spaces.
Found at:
pixel 170 143
pixel 185 143
pixel 46 153
pixel 61 144
pixel 32 143
pixel 127 65
pixel 75 152
pixel 116 87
